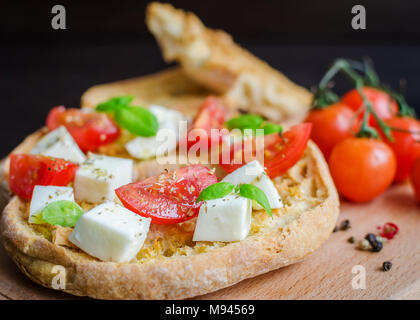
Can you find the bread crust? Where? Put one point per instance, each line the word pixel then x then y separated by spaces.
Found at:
pixel 172 277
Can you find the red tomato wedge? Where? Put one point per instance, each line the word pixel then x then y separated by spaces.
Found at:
pixel 211 115
pixel 90 130
pixel 28 170
pixel 280 153
pixel 169 197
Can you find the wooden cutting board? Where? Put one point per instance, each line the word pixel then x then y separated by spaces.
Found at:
pixel 326 274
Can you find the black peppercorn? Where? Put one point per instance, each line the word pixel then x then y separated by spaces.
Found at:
pixel 387 265
pixel 376 245
pixel 345 225
pixel 351 239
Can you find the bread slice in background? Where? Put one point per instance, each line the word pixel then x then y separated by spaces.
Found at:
pixel 214 60
pixel 170 88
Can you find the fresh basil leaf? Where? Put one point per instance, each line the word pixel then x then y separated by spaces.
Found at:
pixel 245 121
pixel 63 212
pixel 272 128
pixel 114 103
pixel 137 120
pixel 216 191
pixel 254 193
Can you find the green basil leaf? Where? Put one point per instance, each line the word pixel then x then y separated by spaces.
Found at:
pixel 63 212
pixel 216 191
pixel 137 120
pixel 114 104
pixel 254 193
pixel 245 121
pixel 272 128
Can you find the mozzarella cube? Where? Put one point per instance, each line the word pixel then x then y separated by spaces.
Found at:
pixel 99 176
pixel 163 114
pixel 166 140
pixel 226 219
pixel 253 173
pixel 59 144
pixel 110 232
pixel 43 196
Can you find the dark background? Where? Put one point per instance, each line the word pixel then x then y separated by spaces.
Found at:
pixel 108 40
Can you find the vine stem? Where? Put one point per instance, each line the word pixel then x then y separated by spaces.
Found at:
pixel 365 130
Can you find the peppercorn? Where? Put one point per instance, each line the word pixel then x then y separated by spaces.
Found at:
pixel 387 265
pixel 350 240
pixel 381 239
pixel 376 245
pixel 364 245
pixel 345 225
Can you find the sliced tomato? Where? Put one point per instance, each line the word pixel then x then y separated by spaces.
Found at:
pixel 384 106
pixel 280 152
pixel 211 115
pixel 28 170
pixel 90 130
pixel 169 197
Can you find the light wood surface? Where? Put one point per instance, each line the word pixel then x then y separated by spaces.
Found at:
pixel 326 274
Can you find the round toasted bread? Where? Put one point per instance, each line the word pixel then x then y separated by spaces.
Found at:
pixel 170 265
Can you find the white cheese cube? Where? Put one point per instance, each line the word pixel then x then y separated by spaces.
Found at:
pixel 163 113
pixel 43 196
pixel 98 177
pixel 226 219
pixel 110 232
pixel 166 140
pixel 59 144
pixel 253 173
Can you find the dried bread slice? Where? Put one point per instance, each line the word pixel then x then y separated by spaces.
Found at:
pixel 171 265
pixel 213 59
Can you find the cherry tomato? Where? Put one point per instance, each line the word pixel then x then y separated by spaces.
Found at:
pixel 384 106
pixel 211 115
pixel 90 130
pixel 362 168
pixel 415 178
pixel 279 154
pixel 169 197
pixel 405 145
pixel 332 125
pixel 28 170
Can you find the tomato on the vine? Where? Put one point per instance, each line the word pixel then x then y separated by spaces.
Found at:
pixel 362 168
pixel 331 125
pixel 406 143
pixel 382 103
pixel 415 178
